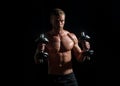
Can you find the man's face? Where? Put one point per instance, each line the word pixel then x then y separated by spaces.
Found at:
pixel 58 21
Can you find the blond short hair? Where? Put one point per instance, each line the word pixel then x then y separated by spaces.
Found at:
pixel 57 12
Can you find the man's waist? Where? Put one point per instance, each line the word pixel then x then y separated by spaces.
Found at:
pixel 60 72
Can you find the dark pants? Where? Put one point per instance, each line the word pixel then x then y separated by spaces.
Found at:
pixel 62 80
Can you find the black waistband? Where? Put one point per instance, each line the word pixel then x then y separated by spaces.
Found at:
pixel 66 75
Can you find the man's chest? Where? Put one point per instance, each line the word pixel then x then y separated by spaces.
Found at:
pixel 63 43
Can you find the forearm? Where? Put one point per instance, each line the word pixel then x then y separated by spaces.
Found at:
pixel 40 56
pixel 80 56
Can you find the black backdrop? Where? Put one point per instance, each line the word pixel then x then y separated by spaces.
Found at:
pixel 89 16
pixel 80 16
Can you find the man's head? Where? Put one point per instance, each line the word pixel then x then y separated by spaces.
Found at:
pixel 57 18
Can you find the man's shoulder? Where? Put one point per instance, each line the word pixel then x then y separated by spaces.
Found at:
pixel 68 32
pixel 73 37
pixel 71 34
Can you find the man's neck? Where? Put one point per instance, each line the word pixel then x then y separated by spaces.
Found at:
pixel 58 31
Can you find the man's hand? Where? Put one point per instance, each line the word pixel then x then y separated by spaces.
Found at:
pixel 84 40
pixel 41 56
pixel 85 45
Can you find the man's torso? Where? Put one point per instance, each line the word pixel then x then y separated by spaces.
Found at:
pixel 59 50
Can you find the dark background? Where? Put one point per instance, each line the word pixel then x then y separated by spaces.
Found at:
pixel 98 19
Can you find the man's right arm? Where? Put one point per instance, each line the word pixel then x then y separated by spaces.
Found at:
pixel 40 54
pixel 40 49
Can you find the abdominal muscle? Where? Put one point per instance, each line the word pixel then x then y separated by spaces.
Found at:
pixel 59 50
pixel 60 63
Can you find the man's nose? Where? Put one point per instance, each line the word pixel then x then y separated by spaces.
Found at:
pixel 60 22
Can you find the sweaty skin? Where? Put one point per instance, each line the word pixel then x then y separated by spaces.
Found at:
pixel 62 44
pixel 59 50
